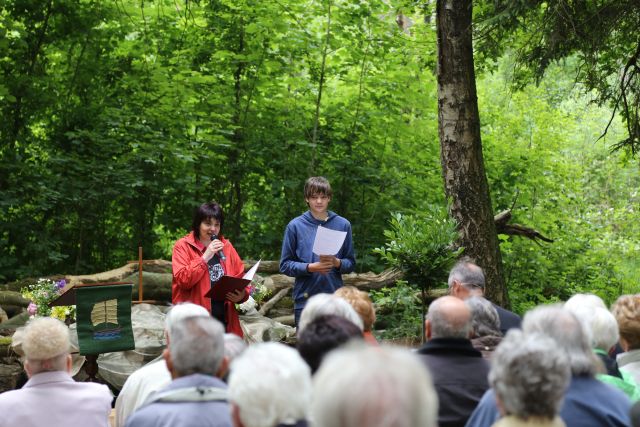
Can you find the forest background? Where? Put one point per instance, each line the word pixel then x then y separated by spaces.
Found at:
pixel 118 118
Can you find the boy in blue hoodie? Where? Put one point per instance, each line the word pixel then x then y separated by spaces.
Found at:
pixel 315 274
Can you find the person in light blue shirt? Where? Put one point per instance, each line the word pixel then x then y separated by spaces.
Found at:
pixel 314 273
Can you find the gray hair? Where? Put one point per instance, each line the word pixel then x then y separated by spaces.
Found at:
pixel 529 375
pixel 270 384
pixel 567 332
pixel 374 387
pixel 196 346
pixel 602 325
pixel 484 317
pixel 467 273
pixel 182 311
pixel 447 322
pixel 584 300
pixel 323 304
pixel 234 346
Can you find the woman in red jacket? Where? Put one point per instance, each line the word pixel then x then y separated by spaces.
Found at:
pixel 200 259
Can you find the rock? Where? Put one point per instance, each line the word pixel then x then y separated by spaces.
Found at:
pixel 9 376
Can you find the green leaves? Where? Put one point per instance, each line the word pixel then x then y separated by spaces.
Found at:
pixel 422 246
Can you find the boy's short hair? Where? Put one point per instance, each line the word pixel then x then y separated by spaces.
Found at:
pixel 317 185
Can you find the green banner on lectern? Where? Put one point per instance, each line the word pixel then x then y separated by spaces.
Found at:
pixel 103 316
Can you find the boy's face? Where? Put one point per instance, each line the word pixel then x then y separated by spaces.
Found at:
pixel 318 203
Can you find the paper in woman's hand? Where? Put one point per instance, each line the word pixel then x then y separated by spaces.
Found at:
pixel 327 241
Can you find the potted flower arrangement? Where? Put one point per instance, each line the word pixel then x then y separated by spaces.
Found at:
pixel 41 294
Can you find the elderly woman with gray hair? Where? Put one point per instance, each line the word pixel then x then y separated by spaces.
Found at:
pixel 485 324
pixel 529 375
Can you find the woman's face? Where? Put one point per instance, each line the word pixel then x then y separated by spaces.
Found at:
pixel 208 227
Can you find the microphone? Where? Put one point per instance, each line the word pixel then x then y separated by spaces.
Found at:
pixel 220 253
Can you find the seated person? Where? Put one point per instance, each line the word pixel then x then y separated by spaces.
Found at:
pixel 362 304
pixel 324 334
pixel 529 376
pixel 51 397
pixel 269 386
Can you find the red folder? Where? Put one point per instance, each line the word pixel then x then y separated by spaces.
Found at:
pixel 228 284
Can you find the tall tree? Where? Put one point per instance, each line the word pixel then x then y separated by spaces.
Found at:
pixel 465 181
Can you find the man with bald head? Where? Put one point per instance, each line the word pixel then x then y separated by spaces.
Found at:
pixel 458 370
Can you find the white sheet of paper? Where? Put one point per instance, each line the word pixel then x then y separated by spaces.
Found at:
pixel 327 241
pixel 252 271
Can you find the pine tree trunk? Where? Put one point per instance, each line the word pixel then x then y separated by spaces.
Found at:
pixel 465 181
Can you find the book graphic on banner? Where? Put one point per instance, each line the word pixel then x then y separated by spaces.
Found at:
pixel 228 284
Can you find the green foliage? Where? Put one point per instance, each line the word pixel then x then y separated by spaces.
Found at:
pixel 397 311
pixel 421 246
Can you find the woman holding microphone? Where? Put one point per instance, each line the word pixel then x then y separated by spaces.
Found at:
pixel 199 261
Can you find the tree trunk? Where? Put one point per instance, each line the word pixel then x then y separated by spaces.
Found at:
pixel 465 181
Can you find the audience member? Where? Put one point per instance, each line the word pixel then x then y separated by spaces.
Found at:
pixel 362 304
pixel 588 402
pixel 234 346
pixel 466 279
pixel 584 300
pixel 370 386
pixel 458 370
pixel 270 385
pixel 604 337
pixel 529 376
pixel 196 396
pixel 321 304
pixel 485 325
pixel 626 310
pixel 154 375
pixel 51 397
pixel 322 335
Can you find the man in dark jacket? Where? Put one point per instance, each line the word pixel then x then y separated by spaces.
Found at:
pixel 459 372
pixel 466 279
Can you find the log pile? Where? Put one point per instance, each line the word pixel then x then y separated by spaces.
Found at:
pixel 157 285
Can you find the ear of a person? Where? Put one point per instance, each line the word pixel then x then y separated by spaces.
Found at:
pixel 166 355
pixel 224 367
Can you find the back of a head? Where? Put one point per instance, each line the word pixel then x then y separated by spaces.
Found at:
pixel 626 310
pixel 234 346
pixel 484 317
pixel 46 344
pixel 449 317
pixel 324 334
pixel 602 325
pixel 529 375
pixel 270 384
pixel 323 304
pixel 361 303
pixel 182 311
pixel 374 387
pixel 584 300
pixel 196 346
pixel 566 330
pixel 466 272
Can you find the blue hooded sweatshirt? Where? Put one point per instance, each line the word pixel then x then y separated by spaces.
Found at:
pixel 297 254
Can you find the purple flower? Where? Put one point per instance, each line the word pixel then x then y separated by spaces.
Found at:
pixel 61 284
pixel 32 309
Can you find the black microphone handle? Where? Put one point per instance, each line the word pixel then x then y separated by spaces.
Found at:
pixel 220 253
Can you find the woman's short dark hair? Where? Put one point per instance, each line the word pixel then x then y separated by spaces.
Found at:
pixel 204 212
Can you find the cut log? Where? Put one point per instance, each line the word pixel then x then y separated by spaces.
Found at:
pixel 273 301
pixel 13 298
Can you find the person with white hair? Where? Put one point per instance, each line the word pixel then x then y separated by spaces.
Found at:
pixel 51 397
pixel 604 335
pixel 588 402
pixel 196 396
pixel 269 386
pixel 529 376
pixel 363 385
pixel 323 304
pixel 485 325
pixel 154 375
